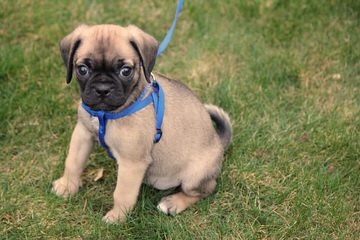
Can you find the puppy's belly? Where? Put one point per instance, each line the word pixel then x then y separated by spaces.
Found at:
pixel 162 183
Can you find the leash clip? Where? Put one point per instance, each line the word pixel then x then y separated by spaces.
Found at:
pixel 153 78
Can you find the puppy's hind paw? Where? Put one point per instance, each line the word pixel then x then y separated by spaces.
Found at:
pixel 63 187
pixel 169 205
pixel 176 203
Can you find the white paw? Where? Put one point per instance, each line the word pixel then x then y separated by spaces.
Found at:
pixel 63 187
pixel 169 206
pixel 114 216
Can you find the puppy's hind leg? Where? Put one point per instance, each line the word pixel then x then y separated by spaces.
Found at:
pixel 188 195
pixel 198 180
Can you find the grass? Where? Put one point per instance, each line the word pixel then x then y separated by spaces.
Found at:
pixel 286 71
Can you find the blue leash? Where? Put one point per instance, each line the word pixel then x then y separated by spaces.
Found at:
pixel 156 97
pixel 165 42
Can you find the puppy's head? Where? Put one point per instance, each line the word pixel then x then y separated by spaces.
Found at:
pixel 109 62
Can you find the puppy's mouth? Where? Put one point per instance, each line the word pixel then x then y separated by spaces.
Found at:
pixel 103 105
pixel 103 97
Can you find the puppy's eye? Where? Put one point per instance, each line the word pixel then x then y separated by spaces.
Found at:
pixel 125 71
pixel 83 70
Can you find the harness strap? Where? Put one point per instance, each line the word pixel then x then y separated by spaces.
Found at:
pixel 156 97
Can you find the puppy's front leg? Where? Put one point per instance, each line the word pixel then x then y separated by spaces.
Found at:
pixel 81 145
pixel 129 179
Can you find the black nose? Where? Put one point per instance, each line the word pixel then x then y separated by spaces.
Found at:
pixel 103 90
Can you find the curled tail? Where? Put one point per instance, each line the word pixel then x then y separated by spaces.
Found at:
pixel 223 123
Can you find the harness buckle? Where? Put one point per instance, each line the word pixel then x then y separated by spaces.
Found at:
pixel 158 135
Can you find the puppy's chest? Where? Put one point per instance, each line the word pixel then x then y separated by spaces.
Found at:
pixel 92 124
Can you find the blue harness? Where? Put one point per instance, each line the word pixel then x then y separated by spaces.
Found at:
pixel 156 97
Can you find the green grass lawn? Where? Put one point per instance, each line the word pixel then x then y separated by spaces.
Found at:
pixel 288 73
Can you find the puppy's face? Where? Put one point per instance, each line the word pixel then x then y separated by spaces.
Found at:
pixel 109 61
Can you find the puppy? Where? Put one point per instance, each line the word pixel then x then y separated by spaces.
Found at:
pixel 113 65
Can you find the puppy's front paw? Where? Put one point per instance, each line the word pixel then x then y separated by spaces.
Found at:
pixel 64 187
pixel 114 216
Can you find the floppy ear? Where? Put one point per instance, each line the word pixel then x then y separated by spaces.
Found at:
pixel 68 47
pixel 146 47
